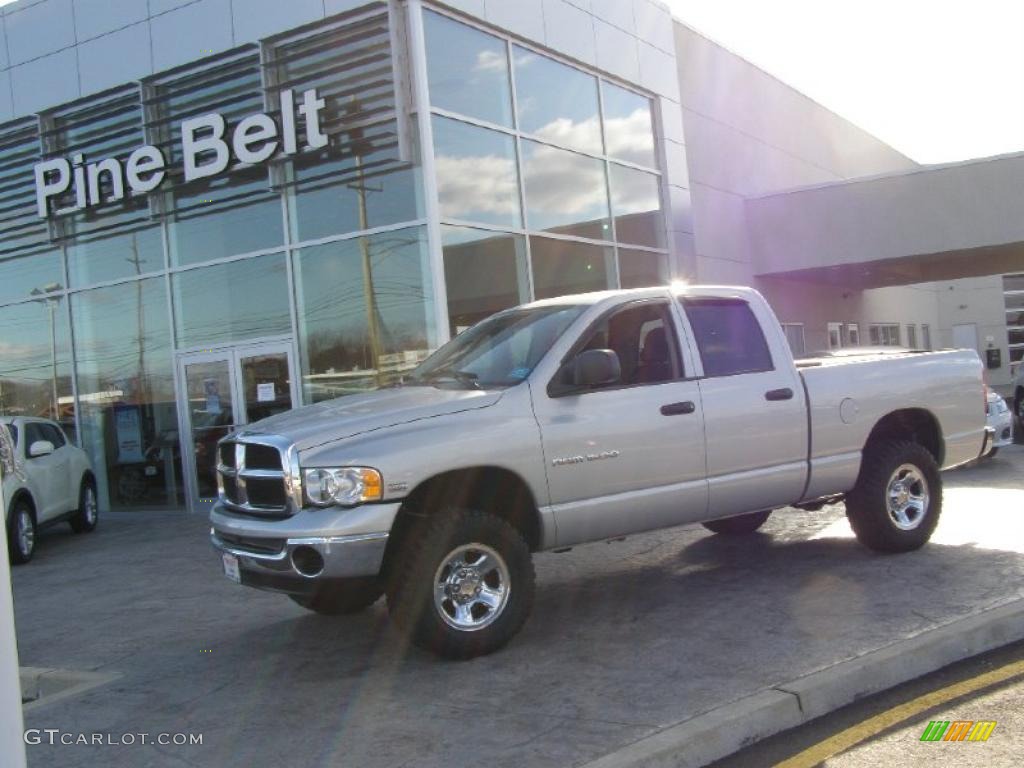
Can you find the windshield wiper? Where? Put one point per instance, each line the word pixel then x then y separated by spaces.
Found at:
pixel 465 378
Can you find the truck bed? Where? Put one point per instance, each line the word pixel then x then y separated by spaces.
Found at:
pixel 849 394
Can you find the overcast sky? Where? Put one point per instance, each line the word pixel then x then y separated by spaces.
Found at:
pixel 940 80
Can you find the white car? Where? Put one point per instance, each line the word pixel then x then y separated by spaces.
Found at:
pixel 1018 394
pixel 53 482
pixel 1000 420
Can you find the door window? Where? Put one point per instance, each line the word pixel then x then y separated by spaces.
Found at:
pixel 33 433
pixel 266 385
pixel 643 338
pixel 54 435
pixel 728 336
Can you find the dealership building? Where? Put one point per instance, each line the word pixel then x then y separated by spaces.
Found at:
pixel 215 210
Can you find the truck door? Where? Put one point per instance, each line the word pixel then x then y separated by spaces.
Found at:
pixel 754 407
pixel 628 456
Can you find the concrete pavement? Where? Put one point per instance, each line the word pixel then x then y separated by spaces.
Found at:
pixel 628 640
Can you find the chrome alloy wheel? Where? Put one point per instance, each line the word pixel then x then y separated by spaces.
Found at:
pixel 471 587
pixel 907 497
pixel 25 532
pixel 89 506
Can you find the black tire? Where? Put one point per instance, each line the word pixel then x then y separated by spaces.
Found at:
pixel 450 548
pixel 868 504
pixel 741 525
pixel 350 597
pixel 87 517
pixel 21 547
pixel 992 453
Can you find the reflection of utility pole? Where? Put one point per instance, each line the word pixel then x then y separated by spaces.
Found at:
pixel 51 304
pixel 359 145
pixel 140 319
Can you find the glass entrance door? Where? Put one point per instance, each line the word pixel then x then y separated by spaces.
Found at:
pixel 222 390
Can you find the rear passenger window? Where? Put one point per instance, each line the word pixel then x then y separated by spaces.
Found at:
pixel 54 435
pixel 728 336
pixel 33 434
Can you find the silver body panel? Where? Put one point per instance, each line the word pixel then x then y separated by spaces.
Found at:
pixel 609 463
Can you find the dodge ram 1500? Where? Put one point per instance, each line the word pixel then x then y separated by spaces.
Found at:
pixel 581 419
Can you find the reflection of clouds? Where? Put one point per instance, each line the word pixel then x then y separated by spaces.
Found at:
pixel 631 138
pixel 562 185
pixel 19 352
pixel 482 184
pixel 584 135
pixel 490 61
pixel 633 192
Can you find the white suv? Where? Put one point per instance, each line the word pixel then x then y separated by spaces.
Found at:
pixel 55 483
pixel 1018 395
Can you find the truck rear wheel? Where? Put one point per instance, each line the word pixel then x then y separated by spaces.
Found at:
pixel 897 501
pixel 463 585
pixel 349 597
pixel 740 525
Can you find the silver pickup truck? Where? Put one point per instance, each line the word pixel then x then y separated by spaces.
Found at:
pixel 575 420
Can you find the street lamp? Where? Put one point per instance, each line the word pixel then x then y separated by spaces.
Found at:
pixel 51 303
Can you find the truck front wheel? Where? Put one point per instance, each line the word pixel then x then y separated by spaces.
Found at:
pixel 463 585
pixel 342 599
pixel 897 501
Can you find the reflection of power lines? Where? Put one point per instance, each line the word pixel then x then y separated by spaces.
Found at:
pixel 382 297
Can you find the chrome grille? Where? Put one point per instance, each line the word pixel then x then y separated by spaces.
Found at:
pixel 259 475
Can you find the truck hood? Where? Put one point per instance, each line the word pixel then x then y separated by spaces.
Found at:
pixel 345 417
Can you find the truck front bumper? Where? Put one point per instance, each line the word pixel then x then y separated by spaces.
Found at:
pixel 306 552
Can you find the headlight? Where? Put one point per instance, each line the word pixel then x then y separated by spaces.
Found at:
pixel 345 487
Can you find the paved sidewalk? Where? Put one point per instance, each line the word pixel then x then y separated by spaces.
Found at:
pixel 626 640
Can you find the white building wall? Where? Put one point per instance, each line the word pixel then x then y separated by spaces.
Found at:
pixel 749 134
pixel 979 302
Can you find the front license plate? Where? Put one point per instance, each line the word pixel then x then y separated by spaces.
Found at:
pixel 231 568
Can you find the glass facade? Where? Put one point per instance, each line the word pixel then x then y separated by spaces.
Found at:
pixel 140 320
pixel 558 164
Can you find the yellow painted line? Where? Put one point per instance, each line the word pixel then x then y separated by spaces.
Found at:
pixel 864 730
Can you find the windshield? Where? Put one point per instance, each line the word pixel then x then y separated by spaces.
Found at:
pixel 498 352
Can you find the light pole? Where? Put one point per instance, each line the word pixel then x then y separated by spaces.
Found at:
pixel 51 303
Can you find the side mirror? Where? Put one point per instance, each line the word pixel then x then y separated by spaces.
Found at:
pixel 40 448
pixel 588 370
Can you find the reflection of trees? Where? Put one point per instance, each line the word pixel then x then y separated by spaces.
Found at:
pixel 335 305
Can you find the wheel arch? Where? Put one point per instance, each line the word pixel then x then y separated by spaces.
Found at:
pixel 917 425
pixel 497 489
pixel 23 494
pixel 88 477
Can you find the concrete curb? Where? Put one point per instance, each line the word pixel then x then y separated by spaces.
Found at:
pixel 722 731
pixel 43 686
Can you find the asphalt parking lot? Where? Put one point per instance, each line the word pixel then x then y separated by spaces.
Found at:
pixel 627 639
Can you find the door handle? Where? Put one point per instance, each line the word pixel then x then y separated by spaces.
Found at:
pixel 776 395
pixel 678 409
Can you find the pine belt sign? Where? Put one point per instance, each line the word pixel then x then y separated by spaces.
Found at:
pixel 206 151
